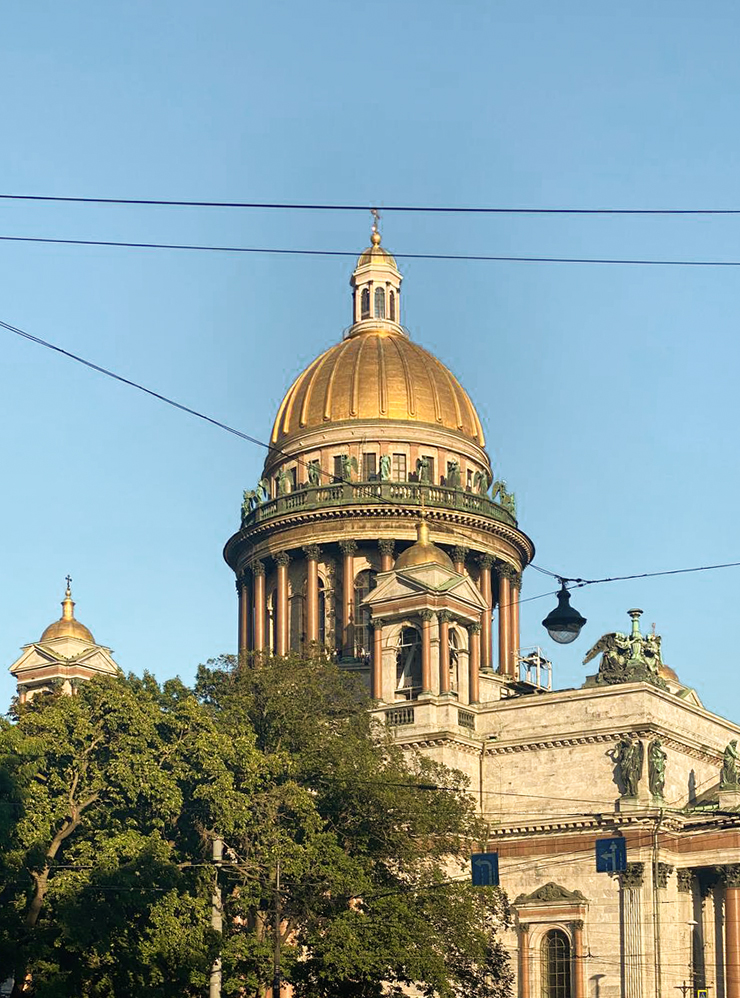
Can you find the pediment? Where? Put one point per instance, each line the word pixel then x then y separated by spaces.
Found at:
pixel 434 580
pixel 550 893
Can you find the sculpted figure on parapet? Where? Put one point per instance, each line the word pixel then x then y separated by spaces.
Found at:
pixel 628 658
pixel 628 757
pixel 730 775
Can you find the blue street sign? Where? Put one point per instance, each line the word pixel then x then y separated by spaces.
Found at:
pixel 484 867
pixel 611 855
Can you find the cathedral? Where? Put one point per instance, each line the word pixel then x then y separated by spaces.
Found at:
pixel 379 531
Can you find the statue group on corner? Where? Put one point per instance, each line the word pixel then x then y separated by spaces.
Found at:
pixel 629 757
pixel 730 774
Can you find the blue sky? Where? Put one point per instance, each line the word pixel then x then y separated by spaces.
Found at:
pixel 609 394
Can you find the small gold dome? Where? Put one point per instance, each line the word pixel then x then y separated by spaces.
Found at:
pixel 67 626
pixel 669 674
pixel 424 552
pixel 378 374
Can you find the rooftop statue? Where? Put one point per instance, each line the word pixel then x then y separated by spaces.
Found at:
pixel 385 467
pixel 628 658
pixel 453 474
pixel 506 499
pixel 730 776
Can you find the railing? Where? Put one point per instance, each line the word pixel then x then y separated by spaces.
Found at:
pixel 466 719
pixel 401 715
pixel 356 493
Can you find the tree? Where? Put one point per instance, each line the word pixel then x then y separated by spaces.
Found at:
pixel 339 872
pixel 104 800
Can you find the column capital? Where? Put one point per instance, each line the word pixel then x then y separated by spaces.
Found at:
pixel 427 614
pixel 282 558
pixel 348 547
pixel 524 927
pixel 444 616
pixel 685 877
pixel 632 876
pixel 475 628
pixel 376 624
pixel 312 552
pixel 386 545
pixel 729 875
pixel 662 873
pixel 486 560
pixel 460 553
pixel 577 925
pixel 506 571
pixel 258 567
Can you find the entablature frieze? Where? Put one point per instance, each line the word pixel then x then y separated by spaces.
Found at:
pixel 692 750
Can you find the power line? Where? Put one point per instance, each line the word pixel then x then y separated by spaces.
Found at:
pixel 430 209
pixel 576 583
pixel 472 257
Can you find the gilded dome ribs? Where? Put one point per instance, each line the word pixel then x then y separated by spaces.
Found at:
pixel 355 397
pixel 382 378
pixel 410 394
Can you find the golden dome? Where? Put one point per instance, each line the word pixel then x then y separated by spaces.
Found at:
pixel 376 374
pixel 423 552
pixel 669 674
pixel 67 626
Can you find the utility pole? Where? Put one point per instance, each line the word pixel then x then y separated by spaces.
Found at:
pixel 684 988
pixel 216 919
pixel 277 937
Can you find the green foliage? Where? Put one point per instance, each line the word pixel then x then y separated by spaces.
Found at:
pixel 110 800
pixel 365 845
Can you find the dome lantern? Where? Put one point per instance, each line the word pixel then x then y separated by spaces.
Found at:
pixel 376 287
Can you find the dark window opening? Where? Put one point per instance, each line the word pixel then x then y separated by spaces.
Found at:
pixel 369 467
pixel 556 965
pixel 392 306
pixel 398 467
pixel 365 303
pixel 408 663
pixel 365 582
pixel 380 303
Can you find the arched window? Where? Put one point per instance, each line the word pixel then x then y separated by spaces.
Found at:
pixel 556 965
pixel 408 663
pixel 454 661
pixel 392 306
pixel 365 303
pixel 380 303
pixel 365 582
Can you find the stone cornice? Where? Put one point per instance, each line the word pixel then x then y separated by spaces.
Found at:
pixel 311 517
pixel 693 750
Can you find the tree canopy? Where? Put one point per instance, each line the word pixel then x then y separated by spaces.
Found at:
pixel 343 861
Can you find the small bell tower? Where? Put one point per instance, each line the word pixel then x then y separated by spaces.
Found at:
pixel 376 288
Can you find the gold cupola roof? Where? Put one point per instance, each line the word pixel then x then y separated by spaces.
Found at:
pixel 423 552
pixel 376 373
pixel 67 626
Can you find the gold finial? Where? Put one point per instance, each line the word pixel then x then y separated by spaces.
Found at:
pixel 68 603
pixel 422 531
pixel 375 235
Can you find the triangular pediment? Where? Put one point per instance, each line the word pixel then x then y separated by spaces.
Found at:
pixel 550 893
pixel 434 580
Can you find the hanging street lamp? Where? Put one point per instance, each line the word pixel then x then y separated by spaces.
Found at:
pixel 563 624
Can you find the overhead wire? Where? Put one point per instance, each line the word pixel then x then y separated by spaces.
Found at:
pixel 367 493
pixel 280 251
pixel 431 209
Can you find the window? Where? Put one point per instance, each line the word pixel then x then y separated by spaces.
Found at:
pixel 369 467
pixel 380 303
pixel 454 661
pixel 365 303
pixel 398 467
pixel 556 965
pixel 322 613
pixel 365 582
pixel 392 306
pixel 338 467
pixel 293 479
pixel 408 663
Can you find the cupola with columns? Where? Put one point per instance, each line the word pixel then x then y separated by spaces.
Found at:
pixel 65 654
pixel 375 433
